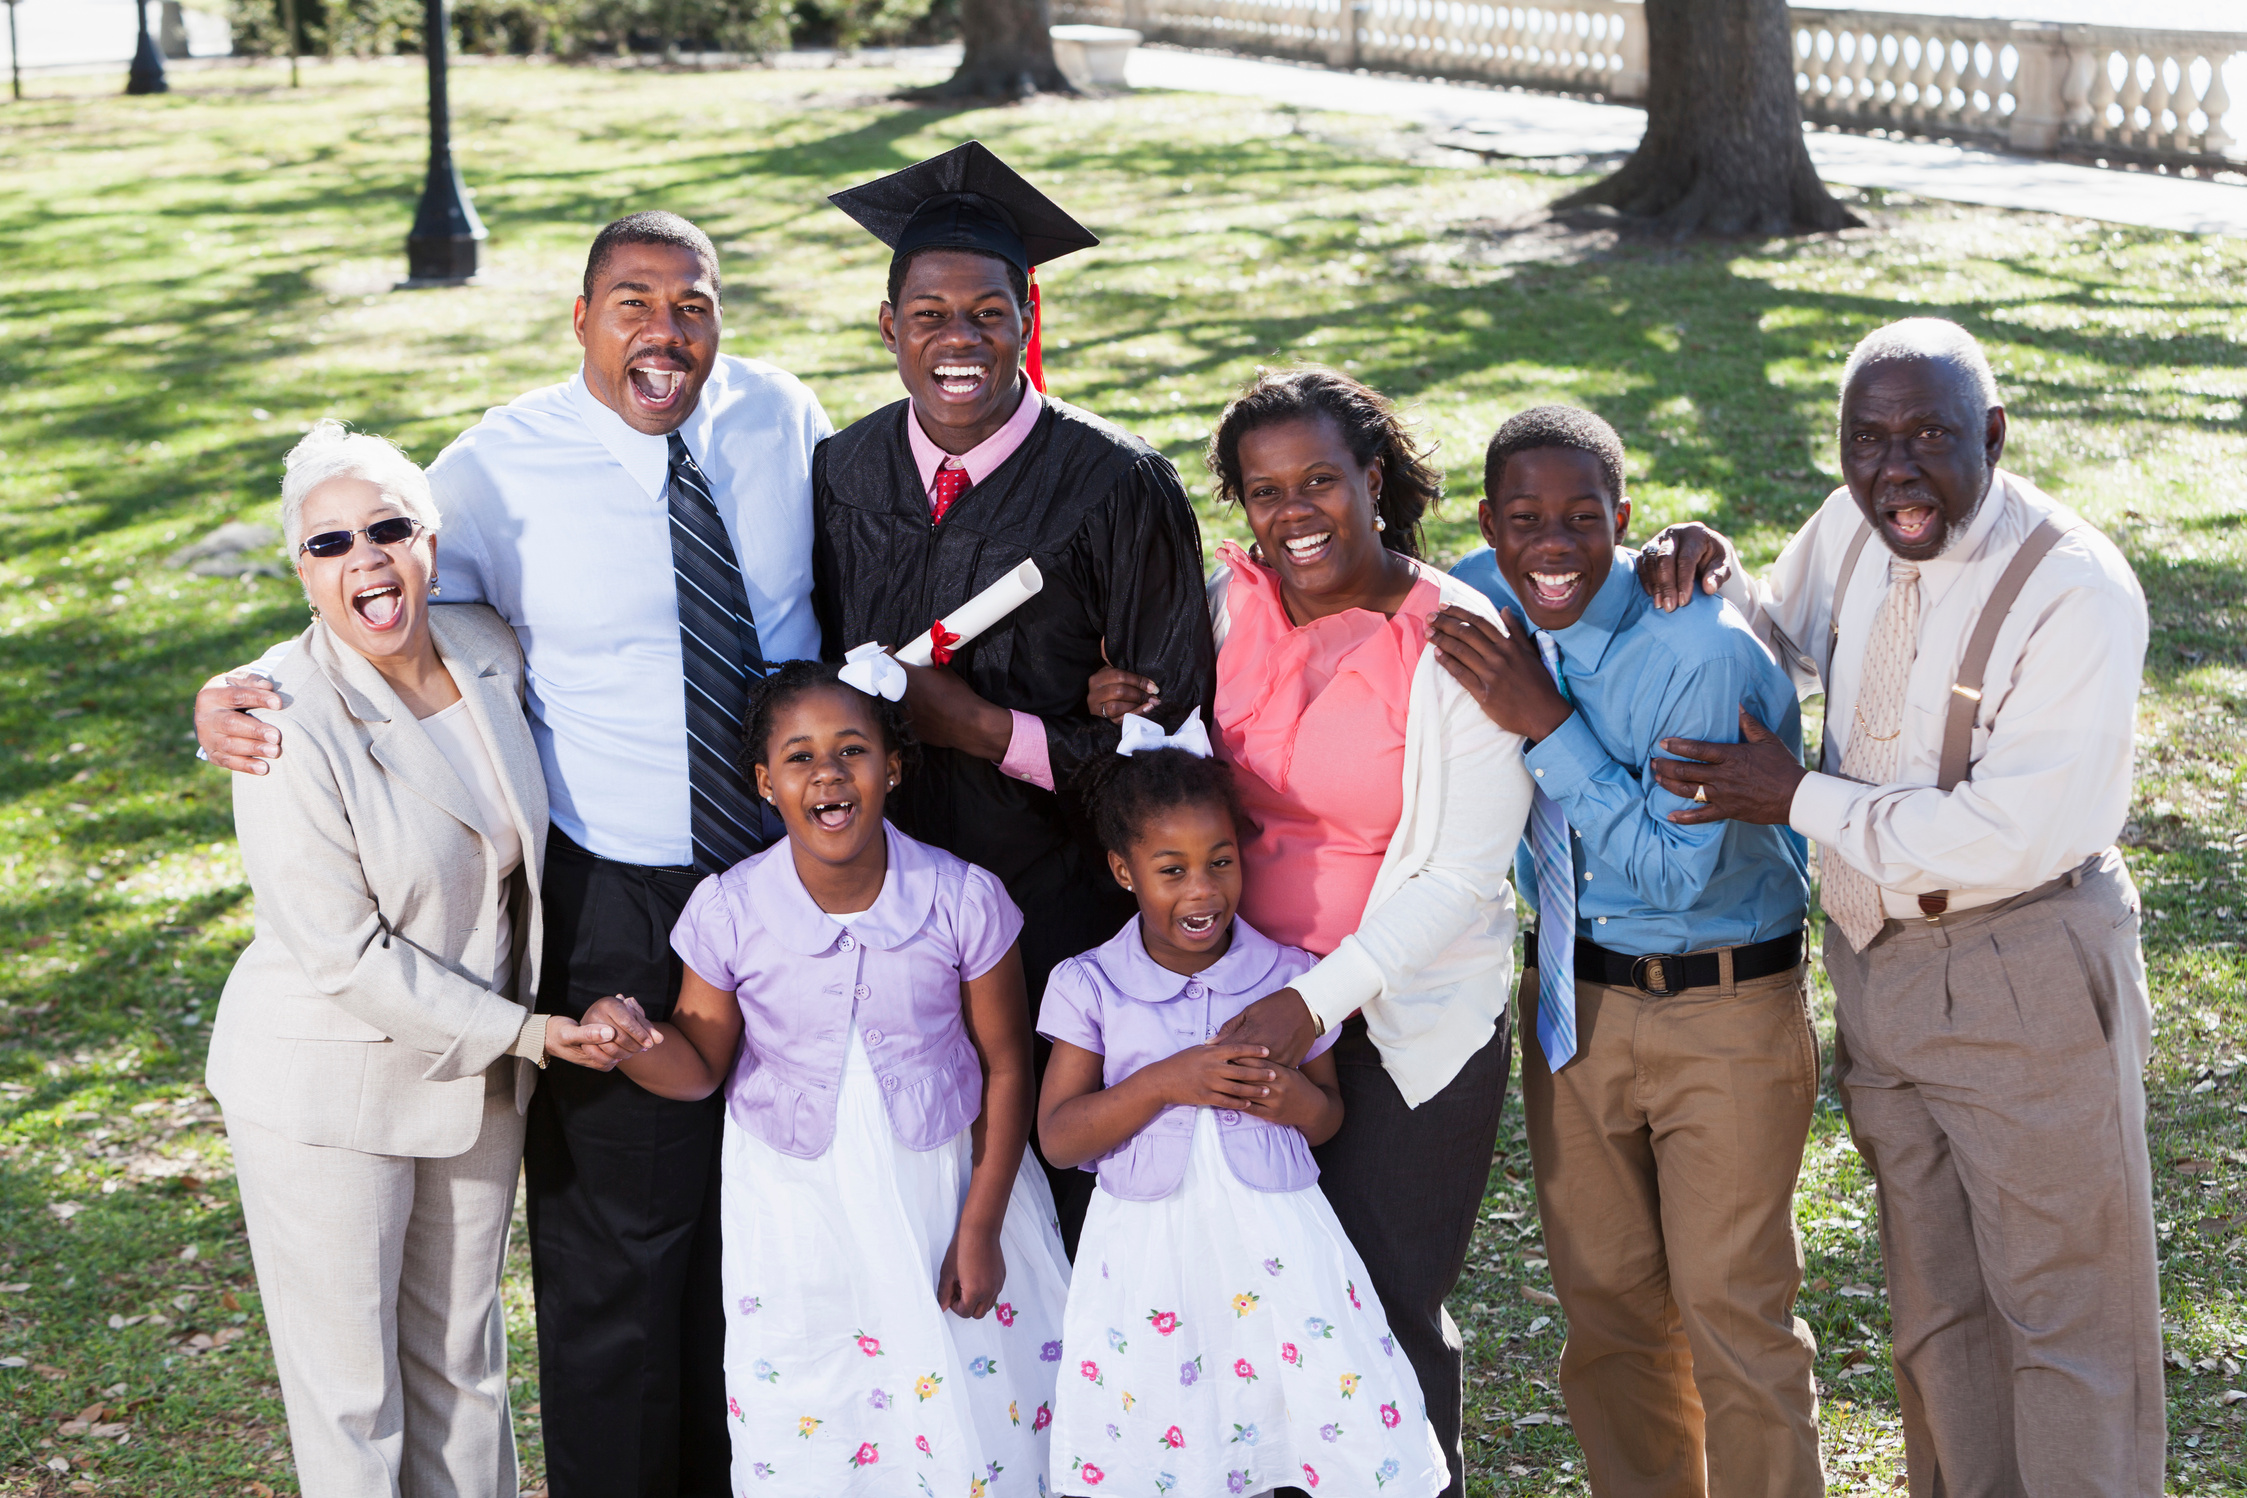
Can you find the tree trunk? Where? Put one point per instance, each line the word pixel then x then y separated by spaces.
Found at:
pixel 1723 150
pixel 1009 53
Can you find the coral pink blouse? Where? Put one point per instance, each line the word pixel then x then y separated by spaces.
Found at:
pixel 1312 721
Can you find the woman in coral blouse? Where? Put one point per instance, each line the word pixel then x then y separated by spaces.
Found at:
pixel 1388 807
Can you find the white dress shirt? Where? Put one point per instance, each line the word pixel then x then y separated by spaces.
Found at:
pixel 555 514
pixel 2050 779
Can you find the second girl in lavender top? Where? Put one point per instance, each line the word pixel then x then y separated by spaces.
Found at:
pixel 1222 1335
pixel 893 1276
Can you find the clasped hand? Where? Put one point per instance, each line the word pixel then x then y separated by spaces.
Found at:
pixel 612 1030
pixel 1239 1077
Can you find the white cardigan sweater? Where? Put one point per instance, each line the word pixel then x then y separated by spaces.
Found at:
pixel 1431 964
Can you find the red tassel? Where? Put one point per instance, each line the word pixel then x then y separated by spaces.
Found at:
pixel 1037 348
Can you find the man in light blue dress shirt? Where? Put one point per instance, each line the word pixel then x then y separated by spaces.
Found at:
pixel 1670 1085
pixel 563 511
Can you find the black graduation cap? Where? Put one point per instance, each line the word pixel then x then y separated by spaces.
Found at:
pixel 965 199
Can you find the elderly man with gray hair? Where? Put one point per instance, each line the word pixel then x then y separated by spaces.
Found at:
pixel 375 1047
pixel 1981 668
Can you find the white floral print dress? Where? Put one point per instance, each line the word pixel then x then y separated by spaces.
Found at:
pixel 1225 1340
pixel 842 1376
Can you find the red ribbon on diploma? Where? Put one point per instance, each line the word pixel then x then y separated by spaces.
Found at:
pixel 941 641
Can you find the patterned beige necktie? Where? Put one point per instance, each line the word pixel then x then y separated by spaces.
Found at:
pixel 1876 744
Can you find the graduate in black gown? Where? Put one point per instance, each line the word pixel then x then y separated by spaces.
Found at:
pixel 1104 515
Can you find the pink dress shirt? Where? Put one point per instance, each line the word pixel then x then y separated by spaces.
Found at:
pixel 1027 757
pixel 1312 720
pixel 804 977
pixel 1131 1011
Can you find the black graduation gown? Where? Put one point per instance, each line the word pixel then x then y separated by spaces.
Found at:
pixel 1108 522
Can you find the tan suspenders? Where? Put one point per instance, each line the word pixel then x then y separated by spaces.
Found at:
pixel 1966 691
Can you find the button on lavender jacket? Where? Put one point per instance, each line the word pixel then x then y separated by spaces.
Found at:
pixel 1117 1001
pixel 802 976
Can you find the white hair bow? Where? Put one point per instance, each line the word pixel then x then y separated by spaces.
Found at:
pixel 1146 734
pixel 874 671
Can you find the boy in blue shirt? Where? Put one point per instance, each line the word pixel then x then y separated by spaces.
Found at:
pixel 1670 1083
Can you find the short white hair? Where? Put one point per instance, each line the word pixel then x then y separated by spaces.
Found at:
pixel 1926 340
pixel 332 450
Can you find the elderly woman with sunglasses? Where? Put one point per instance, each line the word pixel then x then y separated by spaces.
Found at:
pixel 373 1049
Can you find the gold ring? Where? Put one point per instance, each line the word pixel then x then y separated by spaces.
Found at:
pixel 1701 794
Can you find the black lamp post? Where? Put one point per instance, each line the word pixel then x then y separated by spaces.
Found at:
pixel 147 76
pixel 442 247
pixel 15 53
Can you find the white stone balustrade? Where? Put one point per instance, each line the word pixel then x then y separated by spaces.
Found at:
pixel 2105 91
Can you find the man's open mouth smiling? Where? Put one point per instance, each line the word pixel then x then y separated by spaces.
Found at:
pixel 1913 521
pixel 1554 591
pixel 656 383
pixel 960 380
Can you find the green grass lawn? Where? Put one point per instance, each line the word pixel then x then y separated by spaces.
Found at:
pixel 187 281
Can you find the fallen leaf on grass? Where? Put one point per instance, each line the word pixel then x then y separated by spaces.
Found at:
pixel 227 1300
pixel 2192 1167
pixel 1856 1356
pixel 14 1362
pixel 72 1428
pixel 1539 1297
pixel 113 1430
pixel 2231 1396
pixel 48 1370
pixel 1821 1285
pixel 1862 1370
pixel 91 1413
pixel 1860 1292
pixel 1533 1420
pixel 260 1490
pixel 65 1210
pixel 15 1289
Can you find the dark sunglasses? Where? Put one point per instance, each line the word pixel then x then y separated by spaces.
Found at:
pixel 383 533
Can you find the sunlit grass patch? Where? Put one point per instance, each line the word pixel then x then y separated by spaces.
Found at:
pixel 190 281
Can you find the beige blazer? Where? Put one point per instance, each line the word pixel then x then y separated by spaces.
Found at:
pixel 362 1015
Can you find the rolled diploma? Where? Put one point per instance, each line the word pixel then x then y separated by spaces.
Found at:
pixel 979 613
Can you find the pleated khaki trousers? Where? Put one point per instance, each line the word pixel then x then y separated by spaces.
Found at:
pixel 1992 1065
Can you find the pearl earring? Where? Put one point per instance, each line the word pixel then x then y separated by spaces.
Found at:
pixel 435 587
pixel 1380 524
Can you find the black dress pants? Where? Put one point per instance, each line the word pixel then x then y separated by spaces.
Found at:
pixel 1407 1184
pixel 623 1209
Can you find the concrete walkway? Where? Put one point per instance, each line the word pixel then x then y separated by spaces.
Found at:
pixel 1533 125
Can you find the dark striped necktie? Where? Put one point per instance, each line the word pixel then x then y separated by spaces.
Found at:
pixel 718 649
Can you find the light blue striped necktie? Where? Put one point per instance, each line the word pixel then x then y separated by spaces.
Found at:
pixel 1556 907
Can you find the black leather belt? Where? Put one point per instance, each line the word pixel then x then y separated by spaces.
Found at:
pixel 1661 976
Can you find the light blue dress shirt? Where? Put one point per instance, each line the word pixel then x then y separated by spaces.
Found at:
pixel 554 513
pixel 1644 884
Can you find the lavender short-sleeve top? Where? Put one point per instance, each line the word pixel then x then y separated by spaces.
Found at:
pixel 802 977
pixel 1117 1001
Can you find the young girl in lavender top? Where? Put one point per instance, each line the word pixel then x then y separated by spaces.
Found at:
pixel 1222 1334
pixel 894 1280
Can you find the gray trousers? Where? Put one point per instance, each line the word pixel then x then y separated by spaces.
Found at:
pixel 1992 1066
pixel 380 1276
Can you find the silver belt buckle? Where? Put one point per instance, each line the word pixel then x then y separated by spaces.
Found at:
pixel 1653 963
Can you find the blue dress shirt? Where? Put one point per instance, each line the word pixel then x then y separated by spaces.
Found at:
pixel 1646 885
pixel 555 514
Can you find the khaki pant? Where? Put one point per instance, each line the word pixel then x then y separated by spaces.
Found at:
pixel 1666 1154
pixel 1992 1065
pixel 380 1276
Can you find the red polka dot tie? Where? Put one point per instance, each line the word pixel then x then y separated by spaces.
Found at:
pixel 951 483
